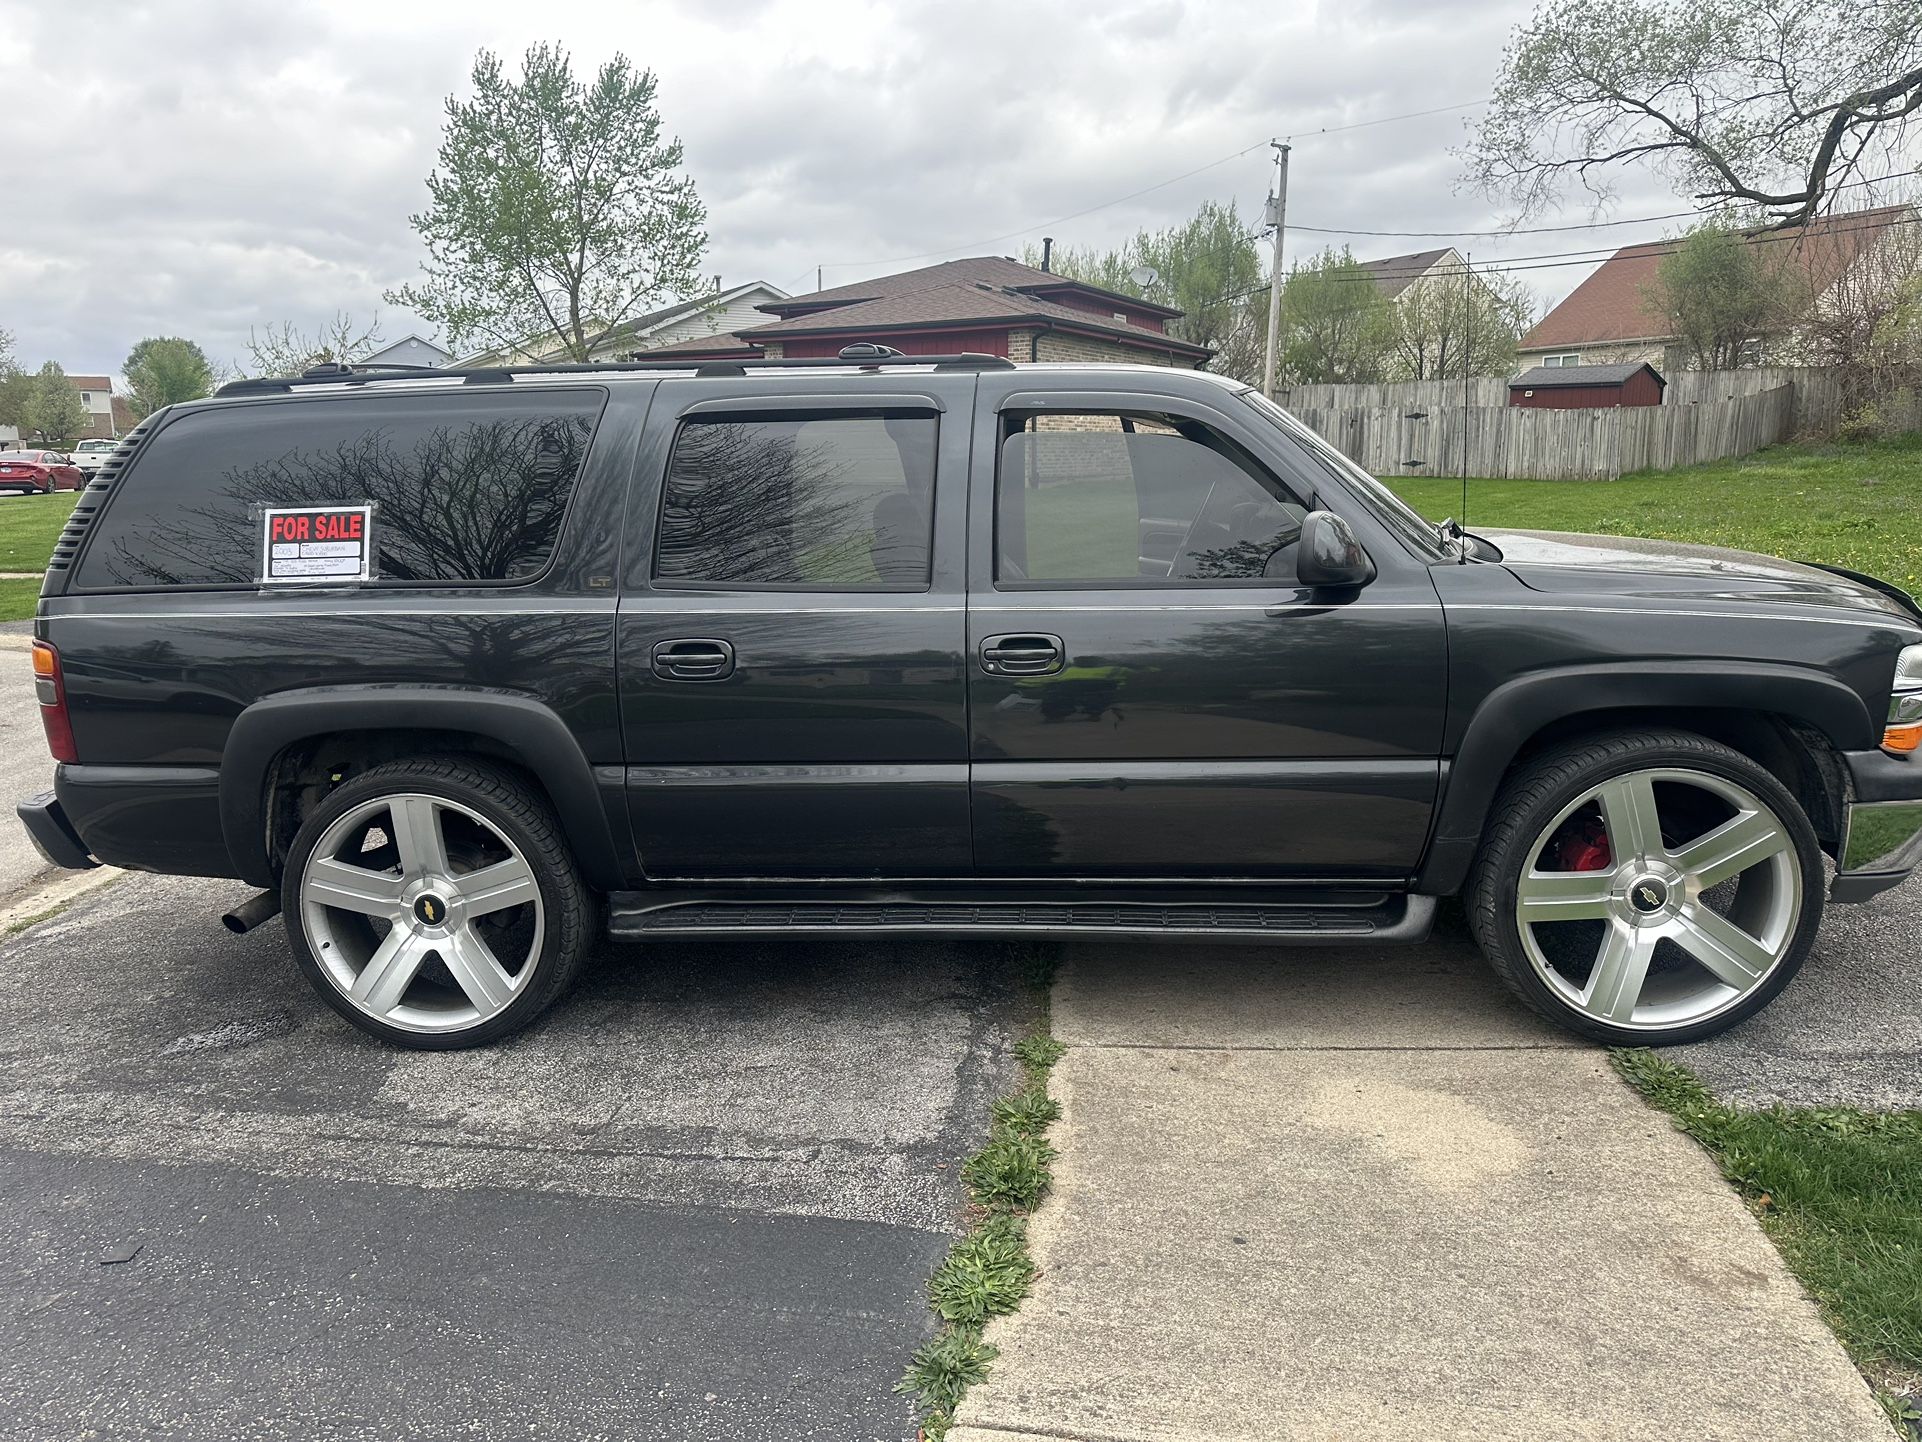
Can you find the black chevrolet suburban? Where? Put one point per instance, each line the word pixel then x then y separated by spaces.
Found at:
pixel 466 667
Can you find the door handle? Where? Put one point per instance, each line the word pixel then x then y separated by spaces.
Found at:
pixel 1023 655
pixel 694 659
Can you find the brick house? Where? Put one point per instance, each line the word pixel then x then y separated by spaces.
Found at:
pixel 1609 318
pixel 986 303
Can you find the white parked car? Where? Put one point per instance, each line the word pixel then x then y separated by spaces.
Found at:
pixel 91 455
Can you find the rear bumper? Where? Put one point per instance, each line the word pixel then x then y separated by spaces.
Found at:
pixel 52 834
pixel 1882 828
pixel 143 818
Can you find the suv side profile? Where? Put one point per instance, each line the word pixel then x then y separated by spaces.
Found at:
pixel 465 668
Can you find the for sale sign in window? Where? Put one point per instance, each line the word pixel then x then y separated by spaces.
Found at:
pixel 317 544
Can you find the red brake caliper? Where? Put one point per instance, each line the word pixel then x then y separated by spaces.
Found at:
pixel 1583 846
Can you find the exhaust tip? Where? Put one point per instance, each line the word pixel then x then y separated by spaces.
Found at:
pixel 249 914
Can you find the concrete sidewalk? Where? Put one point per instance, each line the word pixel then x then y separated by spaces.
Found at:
pixel 1360 1195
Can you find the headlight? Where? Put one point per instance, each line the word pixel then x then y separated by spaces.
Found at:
pixel 1904 733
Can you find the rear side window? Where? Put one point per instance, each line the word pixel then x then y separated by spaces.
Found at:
pixel 467 488
pixel 826 503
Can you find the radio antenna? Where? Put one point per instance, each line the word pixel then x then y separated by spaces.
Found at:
pixel 1468 349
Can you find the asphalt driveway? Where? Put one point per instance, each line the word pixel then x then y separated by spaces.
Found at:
pixel 701 1200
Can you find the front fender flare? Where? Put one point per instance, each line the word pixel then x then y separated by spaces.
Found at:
pixel 1516 711
pixel 526 727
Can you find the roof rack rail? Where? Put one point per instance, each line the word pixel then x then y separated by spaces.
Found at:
pixel 865 356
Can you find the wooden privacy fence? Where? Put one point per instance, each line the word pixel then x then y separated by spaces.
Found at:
pixel 1818 394
pixel 1509 442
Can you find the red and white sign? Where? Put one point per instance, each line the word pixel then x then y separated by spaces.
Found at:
pixel 317 544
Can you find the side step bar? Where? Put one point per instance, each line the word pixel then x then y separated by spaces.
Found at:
pixel 1398 918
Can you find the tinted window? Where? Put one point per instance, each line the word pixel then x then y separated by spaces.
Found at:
pixel 1099 498
pixel 468 488
pixel 822 503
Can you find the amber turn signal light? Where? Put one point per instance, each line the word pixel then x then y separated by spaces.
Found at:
pixel 45 663
pixel 1903 740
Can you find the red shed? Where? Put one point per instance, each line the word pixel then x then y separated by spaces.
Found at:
pixel 1570 388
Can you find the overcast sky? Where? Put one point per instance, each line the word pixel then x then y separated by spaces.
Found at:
pixel 199 168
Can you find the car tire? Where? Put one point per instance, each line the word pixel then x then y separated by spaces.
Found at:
pixel 434 902
pixel 1646 888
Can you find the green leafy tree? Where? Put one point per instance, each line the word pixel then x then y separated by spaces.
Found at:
pixel 286 350
pixel 15 384
pixel 1207 266
pixel 1337 326
pixel 164 370
pixel 1771 104
pixel 1460 322
pixel 1726 295
pixel 54 411
pixel 556 207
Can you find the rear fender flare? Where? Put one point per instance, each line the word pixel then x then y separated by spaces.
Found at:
pixel 527 728
pixel 1514 713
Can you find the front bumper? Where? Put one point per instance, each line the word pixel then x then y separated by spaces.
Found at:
pixel 1882 825
pixel 52 834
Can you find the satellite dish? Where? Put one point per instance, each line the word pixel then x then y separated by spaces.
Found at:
pixel 1144 276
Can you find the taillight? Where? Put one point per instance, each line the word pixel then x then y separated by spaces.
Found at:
pixel 51 688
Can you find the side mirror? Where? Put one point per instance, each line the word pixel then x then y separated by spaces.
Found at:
pixel 1330 556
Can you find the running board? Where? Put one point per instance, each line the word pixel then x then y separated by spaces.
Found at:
pixel 1398 918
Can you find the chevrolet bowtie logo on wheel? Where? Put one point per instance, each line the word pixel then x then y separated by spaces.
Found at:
pixel 431 909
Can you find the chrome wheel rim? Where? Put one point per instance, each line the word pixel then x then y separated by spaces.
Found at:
pixel 422 913
pixel 1659 898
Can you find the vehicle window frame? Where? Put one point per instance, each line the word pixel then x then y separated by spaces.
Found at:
pixel 99 525
pixel 1147 409
pixel 1400 519
pixel 760 410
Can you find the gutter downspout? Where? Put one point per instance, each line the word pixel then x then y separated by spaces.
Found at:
pixel 1034 340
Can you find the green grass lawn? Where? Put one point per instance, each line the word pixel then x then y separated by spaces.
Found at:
pixel 1858 506
pixel 29 525
pixel 1839 1191
pixel 17 599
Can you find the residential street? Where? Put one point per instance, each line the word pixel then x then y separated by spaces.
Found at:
pixel 702 1200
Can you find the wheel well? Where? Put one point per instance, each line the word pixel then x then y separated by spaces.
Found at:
pixel 304 771
pixel 1799 756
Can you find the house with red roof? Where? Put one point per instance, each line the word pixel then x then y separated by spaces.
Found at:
pixel 1610 318
pixel 987 303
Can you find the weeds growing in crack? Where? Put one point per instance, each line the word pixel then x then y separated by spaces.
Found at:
pixel 988 1272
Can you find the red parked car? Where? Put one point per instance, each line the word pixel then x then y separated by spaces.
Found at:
pixel 41 471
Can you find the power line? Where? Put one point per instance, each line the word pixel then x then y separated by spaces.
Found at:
pixel 1558 260
pixel 1387 119
pixel 1556 229
pixel 1150 189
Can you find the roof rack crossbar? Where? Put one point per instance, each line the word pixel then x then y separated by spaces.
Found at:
pixel 490 375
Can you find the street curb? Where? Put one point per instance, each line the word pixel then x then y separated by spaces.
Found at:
pixel 57 891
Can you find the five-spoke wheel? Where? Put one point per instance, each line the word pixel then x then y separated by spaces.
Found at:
pixel 432 902
pixel 1651 888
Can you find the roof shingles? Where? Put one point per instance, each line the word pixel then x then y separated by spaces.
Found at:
pixel 1613 304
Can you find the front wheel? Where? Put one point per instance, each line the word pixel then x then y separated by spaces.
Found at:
pixel 1644 889
pixel 435 904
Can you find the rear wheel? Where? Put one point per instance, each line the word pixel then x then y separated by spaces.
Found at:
pixel 1646 889
pixel 434 903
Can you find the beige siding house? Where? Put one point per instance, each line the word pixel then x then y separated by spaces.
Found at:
pixel 1609 318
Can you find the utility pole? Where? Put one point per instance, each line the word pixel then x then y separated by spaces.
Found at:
pixel 1277 218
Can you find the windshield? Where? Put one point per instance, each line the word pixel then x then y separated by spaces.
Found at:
pixel 1388 507
pixel 96 445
